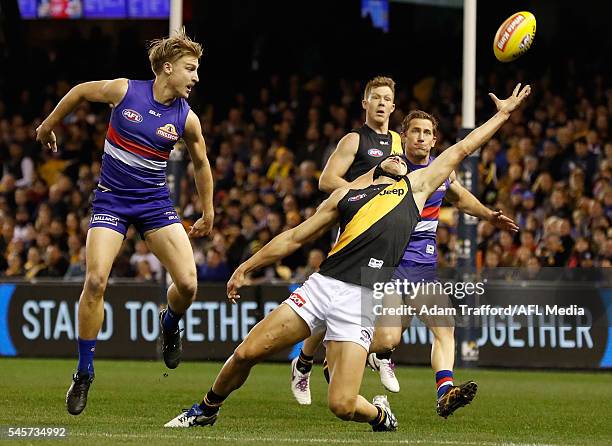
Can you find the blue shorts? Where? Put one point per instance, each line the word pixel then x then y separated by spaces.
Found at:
pixel 416 272
pixel 118 212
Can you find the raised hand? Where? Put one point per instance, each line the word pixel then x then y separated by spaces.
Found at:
pixel 511 103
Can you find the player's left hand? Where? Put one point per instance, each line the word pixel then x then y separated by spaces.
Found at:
pixel 237 280
pixel 202 226
pixel 500 221
pixel 510 104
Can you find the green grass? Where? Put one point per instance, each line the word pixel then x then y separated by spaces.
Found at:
pixel 130 401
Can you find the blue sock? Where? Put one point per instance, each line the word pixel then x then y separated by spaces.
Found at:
pixel 86 355
pixel 171 320
pixel 444 381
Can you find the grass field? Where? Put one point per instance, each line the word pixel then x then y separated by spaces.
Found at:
pixel 130 401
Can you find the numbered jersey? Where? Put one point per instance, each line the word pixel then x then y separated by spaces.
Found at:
pixel 140 137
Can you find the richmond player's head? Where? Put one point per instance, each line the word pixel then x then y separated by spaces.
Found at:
pixel 175 60
pixel 378 99
pixel 393 166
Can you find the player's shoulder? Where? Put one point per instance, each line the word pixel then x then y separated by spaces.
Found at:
pixel 115 90
pixel 350 141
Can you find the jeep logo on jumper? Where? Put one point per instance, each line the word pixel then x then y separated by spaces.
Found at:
pixel 132 115
pixel 105 218
pixel 398 192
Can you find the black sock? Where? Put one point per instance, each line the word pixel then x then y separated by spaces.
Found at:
pixel 379 418
pixel 304 362
pixel 326 370
pixel 211 403
pixel 385 355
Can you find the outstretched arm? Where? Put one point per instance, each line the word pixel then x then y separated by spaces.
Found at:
pixel 110 92
pixel 202 175
pixel 425 181
pixel 289 241
pixel 466 202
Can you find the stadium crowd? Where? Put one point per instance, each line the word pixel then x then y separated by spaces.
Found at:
pixel 549 168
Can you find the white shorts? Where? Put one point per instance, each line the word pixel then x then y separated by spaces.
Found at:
pixel 327 303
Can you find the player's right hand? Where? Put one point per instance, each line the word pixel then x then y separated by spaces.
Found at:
pixel 511 103
pixel 234 284
pixel 46 138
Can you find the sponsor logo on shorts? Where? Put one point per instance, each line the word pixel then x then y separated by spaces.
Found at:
pixel 167 131
pixel 365 336
pixel 429 249
pixel 105 218
pixel 357 197
pixel 376 153
pixel 375 263
pixel 298 300
pixel 398 192
pixel 132 115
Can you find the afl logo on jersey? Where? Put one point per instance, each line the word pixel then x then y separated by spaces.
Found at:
pixel 377 153
pixel 132 115
pixel 168 131
pixel 357 197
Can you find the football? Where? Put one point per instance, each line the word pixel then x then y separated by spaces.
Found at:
pixel 514 36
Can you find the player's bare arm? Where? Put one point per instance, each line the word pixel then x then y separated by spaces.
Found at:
pixel 289 241
pixel 425 181
pixel 339 162
pixel 202 175
pixel 466 202
pixel 108 91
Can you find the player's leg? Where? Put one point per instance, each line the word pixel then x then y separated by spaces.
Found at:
pixel 301 367
pixel 171 246
pixel 345 361
pixel 101 248
pixel 449 396
pixel 387 336
pixel 280 329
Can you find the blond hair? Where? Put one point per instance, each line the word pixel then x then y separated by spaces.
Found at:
pixel 379 81
pixel 172 48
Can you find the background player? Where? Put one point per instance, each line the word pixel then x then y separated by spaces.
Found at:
pixel 376 224
pixel 147 119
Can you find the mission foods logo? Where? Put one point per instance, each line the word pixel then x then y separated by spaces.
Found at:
pixel 168 131
pixel 377 153
pixel 132 115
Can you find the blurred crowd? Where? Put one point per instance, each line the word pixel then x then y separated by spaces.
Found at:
pixel 549 168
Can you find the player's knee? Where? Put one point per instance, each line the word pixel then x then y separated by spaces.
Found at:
pixel 247 354
pixel 386 340
pixel 95 285
pixel 444 334
pixel 343 408
pixel 187 287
